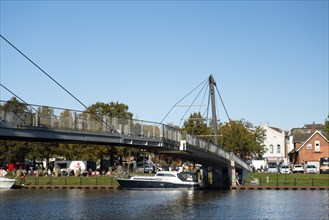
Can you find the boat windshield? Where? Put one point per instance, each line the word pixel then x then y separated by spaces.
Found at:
pixel 188 176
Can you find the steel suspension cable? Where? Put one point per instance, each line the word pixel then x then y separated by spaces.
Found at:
pixel 43 71
pixel 223 104
pixel 192 103
pixel 206 110
pixel 22 99
pixel 19 99
pixel 182 100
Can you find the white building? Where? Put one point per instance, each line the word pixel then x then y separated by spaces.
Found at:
pixel 274 145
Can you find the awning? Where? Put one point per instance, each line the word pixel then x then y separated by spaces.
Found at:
pixel 274 159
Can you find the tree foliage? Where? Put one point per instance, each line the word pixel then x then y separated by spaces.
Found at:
pixel 13 105
pixel 236 136
pixel 113 109
pixel 246 143
pixel 196 125
pixel 326 124
pixel 13 151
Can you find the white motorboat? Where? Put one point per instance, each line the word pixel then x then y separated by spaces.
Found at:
pixel 161 180
pixel 6 183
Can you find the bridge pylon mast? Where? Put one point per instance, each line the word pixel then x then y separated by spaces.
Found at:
pixel 212 83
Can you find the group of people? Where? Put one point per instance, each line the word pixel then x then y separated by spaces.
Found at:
pixel 261 169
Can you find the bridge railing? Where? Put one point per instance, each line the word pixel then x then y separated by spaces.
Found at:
pixel 207 146
pixel 15 115
pixel 215 149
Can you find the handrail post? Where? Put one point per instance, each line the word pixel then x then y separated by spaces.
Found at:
pixel 75 122
pixel 37 119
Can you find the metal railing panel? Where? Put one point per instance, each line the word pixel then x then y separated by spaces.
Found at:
pixel 57 118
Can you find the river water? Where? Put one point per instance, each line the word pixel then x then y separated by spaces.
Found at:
pixel 176 204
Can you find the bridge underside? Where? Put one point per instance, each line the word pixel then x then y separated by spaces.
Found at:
pixel 198 157
pixel 158 145
pixel 219 165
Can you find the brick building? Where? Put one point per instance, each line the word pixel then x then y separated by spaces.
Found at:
pixel 314 146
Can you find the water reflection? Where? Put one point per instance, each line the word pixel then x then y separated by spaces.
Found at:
pixel 177 204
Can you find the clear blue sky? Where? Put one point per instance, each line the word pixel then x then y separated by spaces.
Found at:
pixel 269 58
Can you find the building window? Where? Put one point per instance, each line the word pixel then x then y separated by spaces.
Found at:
pixel 271 149
pixel 309 146
pixel 317 146
pixel 278 148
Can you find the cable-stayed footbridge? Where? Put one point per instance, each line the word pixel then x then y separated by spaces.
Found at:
pixel 50 124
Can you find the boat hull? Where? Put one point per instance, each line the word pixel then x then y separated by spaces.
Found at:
pixel 6 183
pixel 138 184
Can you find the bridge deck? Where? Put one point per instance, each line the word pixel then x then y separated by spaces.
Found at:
pixel 80 127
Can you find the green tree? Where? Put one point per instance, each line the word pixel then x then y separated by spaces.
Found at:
pixel 326 124
pixel 40 151
pixel 66 119
pixel 197 125
pixel 244 142
pixel 45 116
pixel 13 151
pixel 13 105
pixel 113 109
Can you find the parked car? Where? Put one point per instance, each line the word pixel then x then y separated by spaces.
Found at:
pixel 298 168
pixel 311 169
pixel 284 169
pixel 272 169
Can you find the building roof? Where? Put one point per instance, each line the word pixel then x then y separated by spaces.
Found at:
pixel 314 126
pixel 276 129
pixel 302 134
pixel 316 132
pixel 301 137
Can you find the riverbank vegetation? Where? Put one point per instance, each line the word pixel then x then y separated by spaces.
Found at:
pixel 69 180
pixel 264 179
pixel 297 179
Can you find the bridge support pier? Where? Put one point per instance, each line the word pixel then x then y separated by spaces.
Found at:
pixel 205 177
pixel 232 172
pixel 232 176
pixel 217 178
